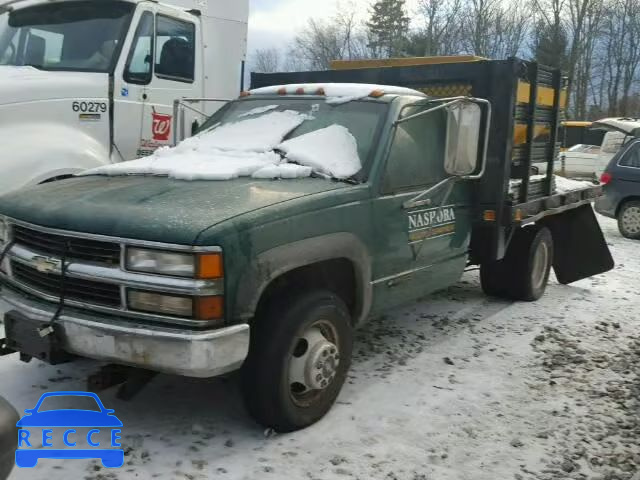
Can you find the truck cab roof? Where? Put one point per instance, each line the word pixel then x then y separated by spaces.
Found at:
pixel 336 92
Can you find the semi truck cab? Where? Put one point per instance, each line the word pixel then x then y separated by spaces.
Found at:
pixel 87 83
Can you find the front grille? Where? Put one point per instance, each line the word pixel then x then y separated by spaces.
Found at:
pixel 78 248
pixel 88 291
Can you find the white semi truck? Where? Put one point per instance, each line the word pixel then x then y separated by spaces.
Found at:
pixel 85 83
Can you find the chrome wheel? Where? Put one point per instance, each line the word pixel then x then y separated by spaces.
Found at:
pixel 630 220
pixel 314 363
pixel 540 263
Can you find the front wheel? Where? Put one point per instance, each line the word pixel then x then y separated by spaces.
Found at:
pixel 298 360
pixel 629 220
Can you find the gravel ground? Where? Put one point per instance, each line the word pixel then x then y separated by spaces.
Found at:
pixel 457 386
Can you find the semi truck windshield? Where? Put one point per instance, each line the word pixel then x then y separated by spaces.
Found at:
pixel 73 36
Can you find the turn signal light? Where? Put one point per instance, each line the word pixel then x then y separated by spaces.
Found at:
pixel 376 93
pixel 489 216
pixel 606 178
pixel 209 308
pixel 209 266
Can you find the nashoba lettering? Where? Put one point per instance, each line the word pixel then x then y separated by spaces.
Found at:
pixel 431 218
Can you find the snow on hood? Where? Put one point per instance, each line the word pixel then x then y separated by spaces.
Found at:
pixel 336 93
pixel 28 84
pixel 248 148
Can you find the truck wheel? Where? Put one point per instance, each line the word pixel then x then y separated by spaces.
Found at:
pixel 298 360
pixel 629 220
pixel 493 279
pixel 529 258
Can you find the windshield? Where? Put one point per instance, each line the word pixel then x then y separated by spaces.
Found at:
pixel 75 36
pixel 271 139
pixel 361 118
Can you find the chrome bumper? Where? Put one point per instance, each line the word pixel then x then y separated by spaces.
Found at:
pixel 169 350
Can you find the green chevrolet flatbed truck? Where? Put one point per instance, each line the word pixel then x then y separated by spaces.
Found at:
pixel 200 278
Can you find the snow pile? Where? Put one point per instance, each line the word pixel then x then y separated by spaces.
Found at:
pixel 565 185
pixel 332 150
pixel 258 111
pixel 259 134
pixel 247 148
pixel 283 170
pixel 336 93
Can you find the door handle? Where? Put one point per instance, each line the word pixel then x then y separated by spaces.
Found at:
pixel 144 96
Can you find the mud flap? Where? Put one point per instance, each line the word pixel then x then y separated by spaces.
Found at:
pixel 581 250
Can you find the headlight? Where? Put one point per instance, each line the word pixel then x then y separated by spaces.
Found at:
pixel 199 308
pixel 177 264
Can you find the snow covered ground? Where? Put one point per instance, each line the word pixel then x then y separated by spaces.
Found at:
pixel 457 386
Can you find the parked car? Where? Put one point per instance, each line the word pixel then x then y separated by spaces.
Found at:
pixel 582 161
pixel 621 182
pixel 8 435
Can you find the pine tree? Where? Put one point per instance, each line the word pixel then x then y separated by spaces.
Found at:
pixel 388 28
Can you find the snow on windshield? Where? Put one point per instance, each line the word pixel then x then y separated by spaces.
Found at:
pixel 250 148
pixel 332 151
pixel 258 111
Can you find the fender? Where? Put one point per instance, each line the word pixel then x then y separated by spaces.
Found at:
pixel 273 263
pixel 36 152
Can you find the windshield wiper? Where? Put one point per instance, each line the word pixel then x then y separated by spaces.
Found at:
pixel 350 180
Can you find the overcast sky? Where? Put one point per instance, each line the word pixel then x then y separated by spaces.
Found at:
pixel 273 23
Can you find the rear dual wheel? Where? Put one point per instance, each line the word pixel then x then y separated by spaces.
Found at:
pixel 524 272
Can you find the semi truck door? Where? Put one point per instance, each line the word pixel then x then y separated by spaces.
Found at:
pixel 132 76
pixel 177 74
pixel 424 248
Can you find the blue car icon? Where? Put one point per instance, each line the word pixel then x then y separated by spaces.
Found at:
pixel 68 419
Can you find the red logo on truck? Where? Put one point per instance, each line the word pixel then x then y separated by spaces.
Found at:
pixel 161 126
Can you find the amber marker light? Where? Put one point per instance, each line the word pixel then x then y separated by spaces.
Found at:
pixel 208 308
pixel 209 266
pixel 489 216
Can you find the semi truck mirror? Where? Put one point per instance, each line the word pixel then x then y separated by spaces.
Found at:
pixel 463 138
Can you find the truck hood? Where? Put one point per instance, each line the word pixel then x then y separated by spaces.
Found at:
pixel 150 208
pixel 28 84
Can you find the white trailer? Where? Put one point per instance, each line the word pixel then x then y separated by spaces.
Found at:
pixel 85 83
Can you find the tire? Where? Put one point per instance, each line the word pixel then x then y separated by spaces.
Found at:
pixel 629 220
pixel 529 260
pixel 493 279
pixel 311 330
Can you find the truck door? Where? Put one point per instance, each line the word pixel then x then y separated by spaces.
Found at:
pixel 131 78
pixel 177 74
pixel 424 248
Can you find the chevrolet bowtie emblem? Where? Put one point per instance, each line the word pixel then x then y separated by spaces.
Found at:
pixel 46 264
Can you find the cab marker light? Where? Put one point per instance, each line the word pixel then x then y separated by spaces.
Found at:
pixel 489 216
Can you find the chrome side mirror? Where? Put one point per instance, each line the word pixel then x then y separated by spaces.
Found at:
pixel 463 138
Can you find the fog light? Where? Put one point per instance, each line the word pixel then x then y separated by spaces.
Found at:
pixel 160 303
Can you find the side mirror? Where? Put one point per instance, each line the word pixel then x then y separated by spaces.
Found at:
pixel 463 138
